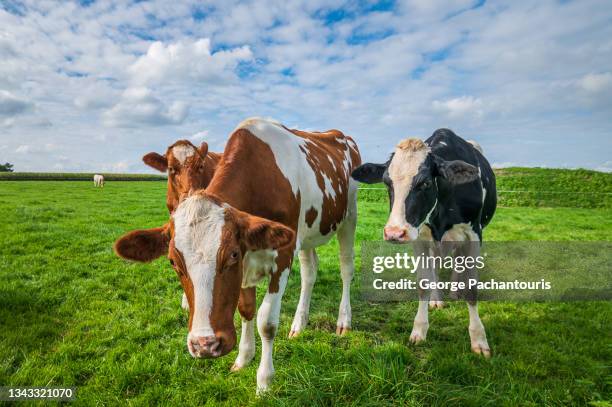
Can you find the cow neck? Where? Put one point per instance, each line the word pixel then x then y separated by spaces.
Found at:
pixel 248 179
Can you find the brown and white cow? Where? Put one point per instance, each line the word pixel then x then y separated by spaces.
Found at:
pixel 189 168
pixel 276 192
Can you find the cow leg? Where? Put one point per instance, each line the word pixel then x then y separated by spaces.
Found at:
pixel 309 263
pixel 421 320
pixel 267 325
pixel 246 348
pixel 478 336
pixel 346 241
pixel 435 302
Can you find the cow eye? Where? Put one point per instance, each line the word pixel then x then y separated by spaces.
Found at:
pixel 425 184
pixel 234 255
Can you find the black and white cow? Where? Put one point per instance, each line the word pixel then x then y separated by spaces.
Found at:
pixel 441 190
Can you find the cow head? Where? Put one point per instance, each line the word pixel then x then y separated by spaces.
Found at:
pixel 189 168
pixel 411 176
pixel 206 242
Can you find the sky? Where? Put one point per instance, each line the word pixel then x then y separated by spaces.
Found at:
pixel 94 85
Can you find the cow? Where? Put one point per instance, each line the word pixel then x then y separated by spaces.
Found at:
pixel 98 180
pixel 189 168
pixel 440 190
pixel 276 192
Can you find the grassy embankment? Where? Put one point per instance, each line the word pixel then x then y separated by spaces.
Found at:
pixel 72 314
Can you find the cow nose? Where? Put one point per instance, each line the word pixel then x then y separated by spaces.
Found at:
pixel 205 346
pixel 396 234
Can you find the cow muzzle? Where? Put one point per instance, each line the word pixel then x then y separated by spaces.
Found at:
pixel 205 346
pixel 396 234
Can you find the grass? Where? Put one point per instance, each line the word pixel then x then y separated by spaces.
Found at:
pixel 72 314
pixel 537 187
pixel 73 176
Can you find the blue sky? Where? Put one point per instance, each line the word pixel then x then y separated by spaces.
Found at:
pixel 94 85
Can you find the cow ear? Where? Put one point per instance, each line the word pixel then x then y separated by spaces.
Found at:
pixel 456 172
pixel 143 245
pixel 157 161
pixel 261 234
pixel 203 150
pixel 369 173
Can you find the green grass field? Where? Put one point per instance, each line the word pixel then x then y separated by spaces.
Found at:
pixel 73 314
pixel 77 176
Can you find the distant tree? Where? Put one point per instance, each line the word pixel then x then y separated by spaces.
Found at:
pixel 6 167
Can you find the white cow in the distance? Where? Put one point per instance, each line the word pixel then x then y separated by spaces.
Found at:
pixel 99 180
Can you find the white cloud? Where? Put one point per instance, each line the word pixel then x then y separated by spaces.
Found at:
pixel 596 83
pixel 36 148
pixel 11 105
pixel 139 106
pixel 461 107
pixel 187 61
pixel 199 136
pixel 499 73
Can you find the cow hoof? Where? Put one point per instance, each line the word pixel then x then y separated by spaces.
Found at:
pixel 419 333
pixel 342 330
pixel 264 380
pixel 416 338
pixel 478 340
pixel 436 304
pixel 236 367
pixel 481 349
pixel 299 323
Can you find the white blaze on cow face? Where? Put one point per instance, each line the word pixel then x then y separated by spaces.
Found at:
pixel 408 157
pixel 198 225
pixel 182 152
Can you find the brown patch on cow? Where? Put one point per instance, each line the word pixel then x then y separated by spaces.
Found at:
pixel 157 161
pixel 269 331
pixel 226 288
pixel 247 302
pixel 267 195
pixel 311 216
pixel 331 155
pixel 193 174
pixel 178 263
pixel 283 262
pixel 143 245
